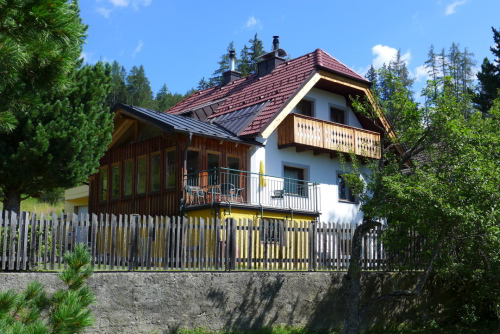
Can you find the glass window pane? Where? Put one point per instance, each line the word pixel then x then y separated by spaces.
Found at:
pixel 234 174
pixel 155 172
pixel 193 167
pixel 213 164
pixel 103 184
pixel 115 182
pixel 170 169
pixel 127 178
pixel 141 175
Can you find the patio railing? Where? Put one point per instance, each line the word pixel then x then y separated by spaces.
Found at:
pixel 225 185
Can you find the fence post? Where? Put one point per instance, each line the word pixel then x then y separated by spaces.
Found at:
pixel 250 232
pixel 233 244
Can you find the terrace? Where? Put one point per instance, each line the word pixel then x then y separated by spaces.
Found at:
pixel 242 188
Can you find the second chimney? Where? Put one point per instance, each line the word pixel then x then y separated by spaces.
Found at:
pixel 271 60
pixel 231 74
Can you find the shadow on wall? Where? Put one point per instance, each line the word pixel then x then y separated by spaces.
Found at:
pixel 255 310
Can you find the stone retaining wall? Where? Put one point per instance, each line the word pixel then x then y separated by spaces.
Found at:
pixel 161 302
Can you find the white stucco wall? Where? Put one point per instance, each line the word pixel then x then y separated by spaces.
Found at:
pixel 320 169
pixel 323 100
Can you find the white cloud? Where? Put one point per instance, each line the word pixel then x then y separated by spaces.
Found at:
pixel 253 22
pixel 137 49
pixel 104 11
pixel 120 3
pixel 384 54
pixel 87 57
pixel 452 8
pixel 135 3
pixel 421 73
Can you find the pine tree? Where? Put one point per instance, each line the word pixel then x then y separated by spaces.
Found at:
pixel 256 50
pixel 118 87
pixel 245 66
pixel 371 75
pixel 58 142
pixel 163 98
pixel 431 65
pixel 489 77
pixel 38 50
pixel 223 67
pixel 202 84
pixel 139 88
pixel 67 311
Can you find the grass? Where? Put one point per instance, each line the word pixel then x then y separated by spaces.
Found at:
pixel 33 204
pixel 483 328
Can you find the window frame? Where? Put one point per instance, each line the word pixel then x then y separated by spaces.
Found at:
pixel 111 198
pixel 136 175
pixel 123 178
pixel 312 102
pixel 165 173
pixel 150 168
pixel 101 200
pixel 341 109
pixel 349 191
pixel 304 181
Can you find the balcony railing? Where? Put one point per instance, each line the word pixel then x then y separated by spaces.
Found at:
pixel 231 186
pixel 299 130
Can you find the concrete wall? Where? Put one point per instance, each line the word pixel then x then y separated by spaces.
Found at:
pixel 162 302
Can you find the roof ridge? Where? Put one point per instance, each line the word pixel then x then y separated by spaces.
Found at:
pixel 341 63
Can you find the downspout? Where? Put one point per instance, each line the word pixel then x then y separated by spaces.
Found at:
pixel 183 199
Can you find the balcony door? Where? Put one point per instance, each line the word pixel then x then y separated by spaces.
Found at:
pixel 193 167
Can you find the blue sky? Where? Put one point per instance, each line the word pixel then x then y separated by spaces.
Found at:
pixel 180 42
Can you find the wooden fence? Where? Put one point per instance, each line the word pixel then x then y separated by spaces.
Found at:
pixel 132 242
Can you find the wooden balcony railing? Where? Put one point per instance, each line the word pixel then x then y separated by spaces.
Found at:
pixel 308 132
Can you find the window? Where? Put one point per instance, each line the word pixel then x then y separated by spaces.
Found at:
pixel 337 115
pixel 294 184
pixel 103 184
pixel 115 181
pixel 193 167
pixel 155 172
pixel 213 164
pixel 273 230
pixel 170 169
pixel 128 175
pixel 345 194
pixel 305 108
pixel 142 174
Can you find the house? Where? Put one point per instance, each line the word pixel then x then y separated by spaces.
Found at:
pixel 263 146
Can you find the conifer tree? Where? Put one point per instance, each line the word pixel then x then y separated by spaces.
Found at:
pixel 489 77
pixel 223 67
pixel 256 50
pixel 59 140
pixel 118 87
pixel 139 88
pixel 67 311
pixel 40 42
pixel 245 66
pixel 202 84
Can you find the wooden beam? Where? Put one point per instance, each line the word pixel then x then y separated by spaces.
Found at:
pixel 318 152
pixel 290 104
pixel 334 155
pixel 299 149
pixel 120 131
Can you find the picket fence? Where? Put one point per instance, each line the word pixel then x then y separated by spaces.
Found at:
pixel 31 241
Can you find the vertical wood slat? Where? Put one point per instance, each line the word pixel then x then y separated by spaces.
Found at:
pixel 46 243
pixel 93 238
pixel 177 243
pixel 63 238
pixel 40 240
pixel 121 240
pixel 250 232
pixel 20 228
pixel 74 226
pixel 25 258
pixel 54 226
pixel 157 249
pixel 4 223
pixel 281 243
pixel 233 244
pixel 227 226
pixel 201 262
pixel 190 243
pixel 166 243
pixel 113 242
pixel 184 244
pixel 33 241
pixel 266 229
pixel 132 247
pixel 217 244
pixel 310 246
pixel 149 239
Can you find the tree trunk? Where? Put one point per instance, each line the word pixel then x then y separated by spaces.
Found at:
pixel 12 201
pixel 352 315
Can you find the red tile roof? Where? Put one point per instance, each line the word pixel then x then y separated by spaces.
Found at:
pixel 277 86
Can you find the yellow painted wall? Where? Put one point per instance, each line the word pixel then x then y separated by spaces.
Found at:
pixel 295 243
pixel 77 196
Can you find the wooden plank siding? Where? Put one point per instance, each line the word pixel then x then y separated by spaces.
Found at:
pixel 166 201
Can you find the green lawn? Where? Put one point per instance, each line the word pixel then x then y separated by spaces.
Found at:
pixel 33 204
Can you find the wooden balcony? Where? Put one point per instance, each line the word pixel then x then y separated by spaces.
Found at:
pixel 315 134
